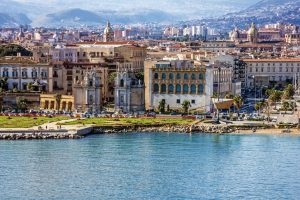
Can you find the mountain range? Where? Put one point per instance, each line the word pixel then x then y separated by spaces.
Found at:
pixel 223 14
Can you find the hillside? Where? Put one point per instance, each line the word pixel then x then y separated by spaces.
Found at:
pixel 77 17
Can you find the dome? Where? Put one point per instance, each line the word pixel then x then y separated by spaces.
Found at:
pixel 252 30
pixel 108 28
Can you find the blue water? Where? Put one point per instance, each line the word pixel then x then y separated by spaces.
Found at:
pixel 152 166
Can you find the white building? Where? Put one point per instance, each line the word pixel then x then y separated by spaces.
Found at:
pixel 271 72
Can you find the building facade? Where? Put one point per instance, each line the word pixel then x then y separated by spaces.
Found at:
pixel 174 82
pixel 129 93
pixel 271 72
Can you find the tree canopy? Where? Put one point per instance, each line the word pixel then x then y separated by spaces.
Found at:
pixel 13 50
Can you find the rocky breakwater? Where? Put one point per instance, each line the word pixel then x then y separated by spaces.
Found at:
pixel 219 129
pixel 37 136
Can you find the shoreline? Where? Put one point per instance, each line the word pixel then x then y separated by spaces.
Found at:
pixel 184 129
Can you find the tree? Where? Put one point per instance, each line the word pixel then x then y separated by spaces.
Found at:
pixel 261 105
pixel 162 106
pixel 274 96
pixel 30 86
pixel 4 84
pixel 22 104
pixel 288 92
pixel 285 106
pixel 229 96
pixel 139 76
pixel 186 105
pixel 238 102
pixel 112 77
pixel 13 50
pixel 58 100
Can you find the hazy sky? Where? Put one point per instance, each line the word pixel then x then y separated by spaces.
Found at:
pixel 209 7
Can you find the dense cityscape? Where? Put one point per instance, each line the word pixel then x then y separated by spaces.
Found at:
pixel 150 104
pixel 191 72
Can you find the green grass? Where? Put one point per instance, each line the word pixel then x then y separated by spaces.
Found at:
pixel 26 122
pixel 131 121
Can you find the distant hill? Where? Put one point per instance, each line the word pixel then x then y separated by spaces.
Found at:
pixel 84 17
pixel 263 12
pixel 13 20
pixel 268 11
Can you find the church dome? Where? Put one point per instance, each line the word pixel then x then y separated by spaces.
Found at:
pixel 108 28
pixel 253 30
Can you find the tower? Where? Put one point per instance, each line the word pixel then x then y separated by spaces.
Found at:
pixel 253 34
pixel 108 35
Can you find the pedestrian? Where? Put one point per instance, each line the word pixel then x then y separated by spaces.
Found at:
pixel 46 127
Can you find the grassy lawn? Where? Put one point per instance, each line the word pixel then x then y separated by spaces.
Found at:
pixel 26 122
pixel 130 121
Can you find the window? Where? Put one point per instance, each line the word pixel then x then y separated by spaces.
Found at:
pixel 171 76
pixel 193 89
pixel 262 69
pixel 186 76
pixel 122 83
pixel 193 101
pixel 155 88
pixel 178 88
pixel 185 88
pixel 156 76
pixel 200 89
pixel 200 76
pixel 163 76
pixel 178 101
pixel 163 88
pixel 280 69
pixel 178 76
pixel 193 76
pixel 171 88
pixel 250 69
pixel 268 69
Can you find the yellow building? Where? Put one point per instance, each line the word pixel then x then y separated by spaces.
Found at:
pixel 56 102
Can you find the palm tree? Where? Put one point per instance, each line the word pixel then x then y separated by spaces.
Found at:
pixel 58 100
pixel 238 102
pixel 260 105
pixel 186 105
pixel 288 92
pixel 162 106
pixel 274 96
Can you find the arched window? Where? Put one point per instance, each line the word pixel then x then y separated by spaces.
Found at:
pixel 193 89
pixel 185 88
pixel 163 88
pixel 156 76
pixel 171 88
pixel 200 76
pixel 163 76
pixel 122 83
pixel 155 88
pixel 171 76
pixel 178 88
pixel 193 76
pixel 178 76
pixel 200 89
pixel 186 76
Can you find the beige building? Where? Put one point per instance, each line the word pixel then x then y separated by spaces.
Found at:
pixel 56 102
pixel 174 82
pixel 271 72
pixel 23 73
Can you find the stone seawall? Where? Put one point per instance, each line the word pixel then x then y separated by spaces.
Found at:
pixel 218 129
pixel 37 135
